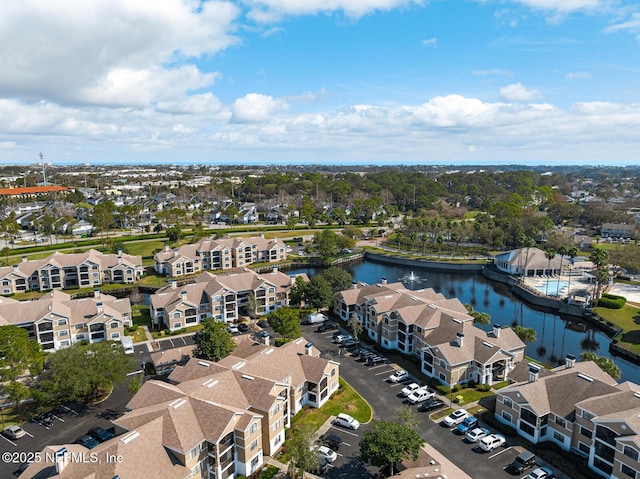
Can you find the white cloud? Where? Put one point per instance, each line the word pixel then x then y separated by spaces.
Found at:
pixel 270 10
pixel 563 6
pixel 518 92
pixel 430 41
pixel 255 107
pixel 578 76
pixel 493 72
pixel 632 25
pixel 68 50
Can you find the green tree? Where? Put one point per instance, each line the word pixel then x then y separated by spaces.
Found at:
pixel 480 318
pixel 213 342
pixel 562 251
pixel 326 243
pixel 298 292
pixel 388 442
pixel 18 354
pixel 550 254
pixel 355 326
pixel 286 321
pixel 174 233
pixel 6 251
pixel 528 335
pixel 302 457
pixel 84 371
pixel 339 279
pixel 318 293
pixel 600 258
pixel 102 217
pixel 606 364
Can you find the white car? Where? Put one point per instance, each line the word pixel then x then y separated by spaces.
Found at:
pixel 541 473
pixel 347 421
pixel 476 434
pixel 398 376
pixel 490 442
pixel 409 389
pixel 325 453
pixel 343 338
pixel 420 395
pixel 456 417
pixel 233 329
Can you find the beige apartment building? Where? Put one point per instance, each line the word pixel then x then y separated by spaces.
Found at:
pixel 77 270
pixel 56 321
pixel 222 297
pixel 580 408
pixel 211 420
pixel 435 329
pixel 221 254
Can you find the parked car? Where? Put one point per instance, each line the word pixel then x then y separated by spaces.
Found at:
pixel 324 453
pixel 375 360
pixel 522 462
pixel 87 441
pixel 541 473
pixel 344 420
pixel 420 395
pixel 474 435
pixel 409 389
pixel 365 354
pixel 431 405
pixel 328 326
pixel 100 434
pixel 398 376
pixel 455 418
pixel 332 441
pixel 466 425
pixel 13 432
pixel 264 334
pixel 263 323
pixel 350 344
pixel 343 338
pixel 492 441
pixel 336 334
pixel 243 328
pixel 233 329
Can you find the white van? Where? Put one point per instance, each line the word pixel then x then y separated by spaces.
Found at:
pixel 127 344
pixel 315 318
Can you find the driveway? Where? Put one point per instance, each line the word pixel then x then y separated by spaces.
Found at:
pixel 384 397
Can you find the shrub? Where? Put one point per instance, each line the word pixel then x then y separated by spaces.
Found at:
pixel 133 328
pixel 167 332
pixel 611 301
pixel 484 387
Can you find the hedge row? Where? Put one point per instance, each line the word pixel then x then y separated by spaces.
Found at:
pixel 611 301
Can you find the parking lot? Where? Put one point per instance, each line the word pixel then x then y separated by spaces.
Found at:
pixel 385 398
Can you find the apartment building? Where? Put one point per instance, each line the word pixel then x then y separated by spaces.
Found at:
pixel 223 297
pixel 436 329
pixel 56 321
pixel 580 408
pixel 77 270
pixel 221 254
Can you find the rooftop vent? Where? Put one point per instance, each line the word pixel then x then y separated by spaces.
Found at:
pixel 127 439
pixel 246 376
pixel 177 403
pixel 202 363
pixel 585 377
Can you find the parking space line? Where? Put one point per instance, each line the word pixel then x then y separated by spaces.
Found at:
pixel 500 452
pixel 58 418
pixel 172 345
pixel 346 444
pixel 28 433
pixel 345 432
pixel 70 410
pixel 9 440
pixel 388 371
pixel 395 385
pixel 183 340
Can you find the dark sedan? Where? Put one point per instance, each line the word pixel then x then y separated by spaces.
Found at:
pixel 431 405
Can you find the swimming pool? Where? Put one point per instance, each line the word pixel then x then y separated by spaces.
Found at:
pixel 551 286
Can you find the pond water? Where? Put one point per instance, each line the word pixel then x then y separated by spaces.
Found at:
pixel 557 335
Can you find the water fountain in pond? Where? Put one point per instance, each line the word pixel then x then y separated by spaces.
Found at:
pixel 412 278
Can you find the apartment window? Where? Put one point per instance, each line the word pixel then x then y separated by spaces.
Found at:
pixel 176 315
pixel 558 437
pixel 276 409
pixel 628 471
pixel 254 463
pixel 194 452
pixel 630 452
pixel 584 448
pixel 277 424
pixel 333 372
pixel 115 335
pixel 253 445
pixel 253 428
pixel 63 332
pixel 561 422
pixel 80 326
pixel 64 344
pixel 507 402
pixel 113 325
pixel 62 322
pixel 586 432
pixel 443 363
pixel 587 415
pixel 507 417
pixel 442 377
pixel 177 325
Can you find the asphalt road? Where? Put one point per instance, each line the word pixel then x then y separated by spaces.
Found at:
pixel 371 383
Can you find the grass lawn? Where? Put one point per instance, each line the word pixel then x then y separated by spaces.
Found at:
pixel 140 316
pixel 344 400
pixel 628 319
pixel 153 281
pixel 144 248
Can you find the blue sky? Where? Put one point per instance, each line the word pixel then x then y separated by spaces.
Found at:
pixel 320 81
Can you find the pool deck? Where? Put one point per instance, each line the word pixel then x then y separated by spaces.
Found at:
pixel 574 283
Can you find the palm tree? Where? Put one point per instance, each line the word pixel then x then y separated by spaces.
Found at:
pixel 599 257
pixel 562 250
pixel 529 242
pixel 549 253
pixel 527 335
pixel 572 253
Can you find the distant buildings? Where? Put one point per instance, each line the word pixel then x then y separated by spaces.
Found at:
pixel 76 270
pixel 209 254
pixel 56 321
pixel 433 328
